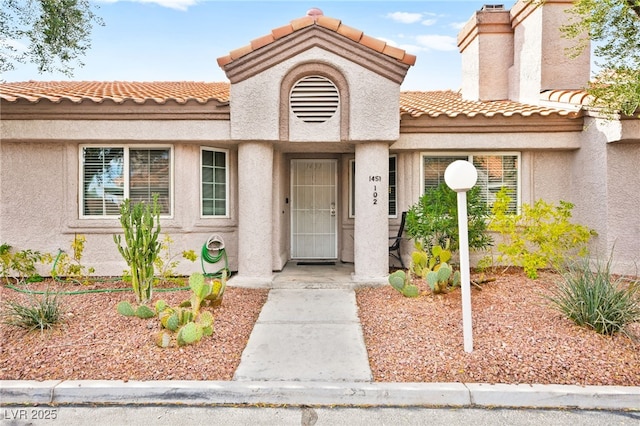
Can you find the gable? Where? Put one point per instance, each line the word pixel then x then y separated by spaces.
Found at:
pixel 319 31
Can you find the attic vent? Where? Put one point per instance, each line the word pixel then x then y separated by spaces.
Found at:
pixel 314 99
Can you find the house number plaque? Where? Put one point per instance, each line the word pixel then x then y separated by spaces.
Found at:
pixel 375 179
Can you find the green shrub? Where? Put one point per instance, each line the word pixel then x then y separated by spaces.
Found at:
pixel 594 299
pixel 21 265
pixel 540 236
pixel 166 262
pixel 42 313
pixel 433 220
pixel 70 266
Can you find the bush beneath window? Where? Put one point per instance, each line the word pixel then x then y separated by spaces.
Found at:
pixel 433 220
pixel 594 299
pixel 541 236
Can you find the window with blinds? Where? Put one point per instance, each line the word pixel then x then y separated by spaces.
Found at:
pixel 214 177
pixel 112 174
pixel 314 99
pixel 495 171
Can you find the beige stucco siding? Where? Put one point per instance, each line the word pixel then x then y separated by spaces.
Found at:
pixel 39 208
pixel 374 102
pixel 115 130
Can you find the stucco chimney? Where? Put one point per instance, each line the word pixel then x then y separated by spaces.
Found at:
pixel 541 61
pixel 486 45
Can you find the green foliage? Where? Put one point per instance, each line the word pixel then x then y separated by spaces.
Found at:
pixel 141 226
pixel 614 27
pixel 434 268
pixel 433 220
pixel 167 262
pixel 401 281
pixel 71 267
pixel 187 323
pixel 42 312
pixel 57 33
pixel 540 236
pixel 20 265
pixel 594 299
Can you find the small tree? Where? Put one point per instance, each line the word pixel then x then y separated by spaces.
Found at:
pixel 433 220
pixel 141 225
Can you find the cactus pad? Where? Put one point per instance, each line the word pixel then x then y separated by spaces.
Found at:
pixel 411 291
pixel 125 308
pixel 188 334
pixel 162 339
pixel 145 312
pixel 161 305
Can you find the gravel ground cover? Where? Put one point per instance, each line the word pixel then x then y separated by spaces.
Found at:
pixel 95 342
pixel 517 338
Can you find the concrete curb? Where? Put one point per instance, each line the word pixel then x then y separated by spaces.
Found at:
pixel 105 392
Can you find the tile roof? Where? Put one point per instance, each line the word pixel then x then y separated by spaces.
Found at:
pixel 328 23
pixel 574 96
pixel 415 104
pixel 116 91
pixel 451 104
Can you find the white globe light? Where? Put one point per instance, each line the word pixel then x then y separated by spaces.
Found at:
pixel 461 175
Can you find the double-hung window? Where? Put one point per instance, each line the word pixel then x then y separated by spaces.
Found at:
pixel 495 171
pixel 214 178
pixel 111 174
pixel 393 193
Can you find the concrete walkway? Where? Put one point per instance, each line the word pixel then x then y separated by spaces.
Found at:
pixel 307 335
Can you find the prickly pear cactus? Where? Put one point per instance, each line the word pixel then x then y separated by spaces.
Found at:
pixel 125 308
pixel 160 306
pixel 189 333
pixel 145 312
pixel 397 280
pixel 411 290
pixel 163 339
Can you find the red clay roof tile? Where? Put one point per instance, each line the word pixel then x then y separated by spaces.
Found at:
pixel 262 41
pixel 329 23
pixel 414 104
pixel 281 31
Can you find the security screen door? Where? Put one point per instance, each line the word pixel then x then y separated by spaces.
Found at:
pixel 313 209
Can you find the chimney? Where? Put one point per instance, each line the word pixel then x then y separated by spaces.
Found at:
pixel 541 61
pixel 486 45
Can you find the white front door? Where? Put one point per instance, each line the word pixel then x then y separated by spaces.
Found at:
pixel 313 209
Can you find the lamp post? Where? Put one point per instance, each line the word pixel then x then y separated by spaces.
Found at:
pixel 461 176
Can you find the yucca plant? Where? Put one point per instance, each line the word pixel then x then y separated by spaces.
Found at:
pixel 595 299
pixel 41 313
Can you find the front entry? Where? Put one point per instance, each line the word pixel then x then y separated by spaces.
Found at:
pixel 314 216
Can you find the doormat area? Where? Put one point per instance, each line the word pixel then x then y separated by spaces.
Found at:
pixel 315 263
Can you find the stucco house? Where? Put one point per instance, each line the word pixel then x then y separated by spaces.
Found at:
pixel 311 151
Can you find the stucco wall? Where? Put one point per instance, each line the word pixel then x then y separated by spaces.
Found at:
pixel 374 101
pixel 39 208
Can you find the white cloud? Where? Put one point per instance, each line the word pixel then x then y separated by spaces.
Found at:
pixel 457 25
pixel 405 17
pixel 437 42
pixel 428 22
pixel 171 4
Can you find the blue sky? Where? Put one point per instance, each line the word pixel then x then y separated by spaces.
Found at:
pixel 176 40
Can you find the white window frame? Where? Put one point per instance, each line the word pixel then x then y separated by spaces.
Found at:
pixel 351 188
pixel 125 173
pixel 470 159
pixel 226 167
